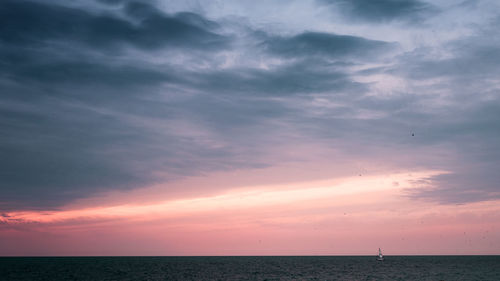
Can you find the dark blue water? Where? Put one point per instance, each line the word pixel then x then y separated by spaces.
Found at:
pixel 252 268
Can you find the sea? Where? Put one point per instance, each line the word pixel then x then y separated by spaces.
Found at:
pixel 252 268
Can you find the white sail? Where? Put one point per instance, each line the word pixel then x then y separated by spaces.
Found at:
pixel 380 256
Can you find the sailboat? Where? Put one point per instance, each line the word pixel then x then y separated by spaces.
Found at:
pixel 380 256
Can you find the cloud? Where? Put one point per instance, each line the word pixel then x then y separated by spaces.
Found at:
pixel 112 2
pixel 33 24
pixel 461 81
pixel 472 133
pixel 118 98
pixel 326 45
pixel 285 80
pixel 463 186
pixel 76 121
pixel 82 117
pixel 379 11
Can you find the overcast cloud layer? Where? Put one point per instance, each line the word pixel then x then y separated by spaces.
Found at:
pixel 118 95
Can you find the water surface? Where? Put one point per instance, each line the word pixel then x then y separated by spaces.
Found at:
pixel 252 268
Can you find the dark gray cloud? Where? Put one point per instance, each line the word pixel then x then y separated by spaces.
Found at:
pixel 297 78
pixel 66 148
pixel 75 122
pixel 382 10
pixel 112 2
pixel 459 187
pixel 30 23
pixel 77 71
pixel 326 45
pixel 468 61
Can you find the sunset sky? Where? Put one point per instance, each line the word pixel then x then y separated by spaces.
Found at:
pixel 231 127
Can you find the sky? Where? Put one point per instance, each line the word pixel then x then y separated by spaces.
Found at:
pixel 230 127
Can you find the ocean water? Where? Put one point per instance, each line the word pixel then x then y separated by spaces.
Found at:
pixel 251 268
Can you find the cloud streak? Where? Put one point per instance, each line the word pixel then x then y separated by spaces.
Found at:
pixel 381 11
